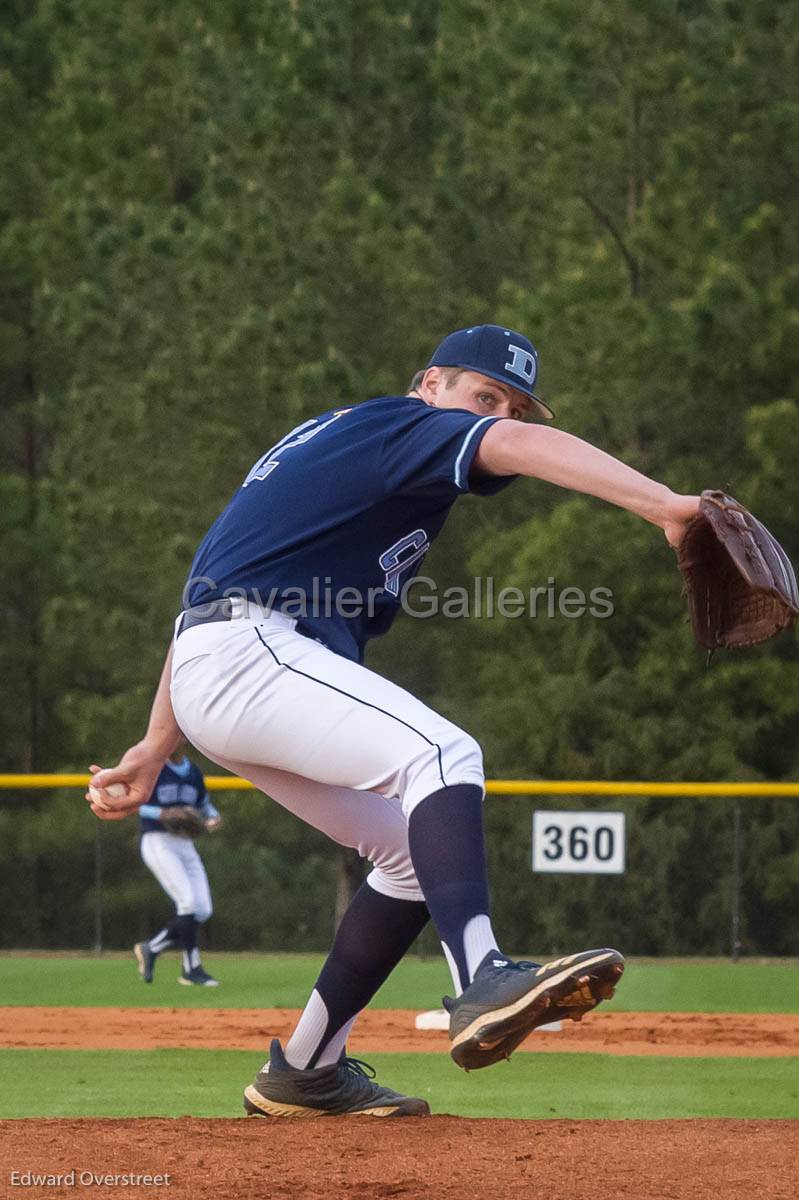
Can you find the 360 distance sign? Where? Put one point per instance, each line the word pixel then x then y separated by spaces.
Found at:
pixel 579 843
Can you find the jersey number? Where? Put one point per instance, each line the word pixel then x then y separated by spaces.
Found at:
pixel 298 437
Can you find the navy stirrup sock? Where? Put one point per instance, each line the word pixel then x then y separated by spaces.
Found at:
pixel 374 934
pixel 185 931
pixel 447 846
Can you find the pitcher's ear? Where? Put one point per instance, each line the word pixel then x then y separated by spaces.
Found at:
pixel 433 381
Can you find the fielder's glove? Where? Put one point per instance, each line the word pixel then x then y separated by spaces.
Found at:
pixel 740 584
pixel 184 821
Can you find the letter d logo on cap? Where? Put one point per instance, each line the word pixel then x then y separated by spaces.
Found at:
pixel 522 364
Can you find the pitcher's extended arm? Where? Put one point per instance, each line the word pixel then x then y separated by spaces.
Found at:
pixel 510 448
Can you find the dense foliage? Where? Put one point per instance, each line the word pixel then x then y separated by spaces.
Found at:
pixel 217 219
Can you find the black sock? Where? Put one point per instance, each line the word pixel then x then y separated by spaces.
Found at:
pixel 375 932
pixel 186 937
pixel 447 846
pixel 165 939
pixel 172 936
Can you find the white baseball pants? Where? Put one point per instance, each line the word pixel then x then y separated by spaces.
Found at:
pixel 179 869
pixel 339 746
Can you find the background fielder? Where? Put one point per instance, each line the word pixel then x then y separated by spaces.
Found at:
pixel 271 686
pixel 176 864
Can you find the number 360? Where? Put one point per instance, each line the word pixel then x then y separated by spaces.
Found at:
pixel 579 843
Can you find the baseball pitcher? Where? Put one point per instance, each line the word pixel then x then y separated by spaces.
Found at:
pixel 265 676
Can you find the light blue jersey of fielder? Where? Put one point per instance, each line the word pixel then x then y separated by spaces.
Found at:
pixel 178 783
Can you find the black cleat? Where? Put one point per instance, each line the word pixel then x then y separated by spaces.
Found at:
pixel 505 1001
pixel 344 1089
pixel 197 976
pixel 145 957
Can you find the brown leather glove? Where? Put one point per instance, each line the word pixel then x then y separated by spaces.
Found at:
pixel 182 820
pixel 740 584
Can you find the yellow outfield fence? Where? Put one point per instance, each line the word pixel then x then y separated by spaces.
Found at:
pixel 497 787
pixel 736 791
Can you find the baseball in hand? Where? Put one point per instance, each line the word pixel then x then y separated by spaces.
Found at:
pixel 113 789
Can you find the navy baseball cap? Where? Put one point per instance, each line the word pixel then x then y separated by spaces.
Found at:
pixel 492 350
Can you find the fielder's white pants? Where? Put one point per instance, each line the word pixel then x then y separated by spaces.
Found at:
pixel 179 869
pixel 344 749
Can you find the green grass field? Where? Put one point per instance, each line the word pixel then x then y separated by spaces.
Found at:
pixel 173 1083
pixel 276 981
pixel 577 1086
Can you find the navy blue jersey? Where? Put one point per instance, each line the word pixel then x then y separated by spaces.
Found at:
pixel 178 783
pixel 334 520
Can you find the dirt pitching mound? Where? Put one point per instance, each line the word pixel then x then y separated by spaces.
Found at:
pixel 362 1158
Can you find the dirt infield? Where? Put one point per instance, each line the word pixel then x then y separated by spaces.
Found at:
pixel 679 1034
pixel 436 1158
pixel 359 1158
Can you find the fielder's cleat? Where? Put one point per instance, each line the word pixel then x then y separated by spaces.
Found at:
pixel 145 957
pixel 344 1089
pixel 199 976
pixel 505 1001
